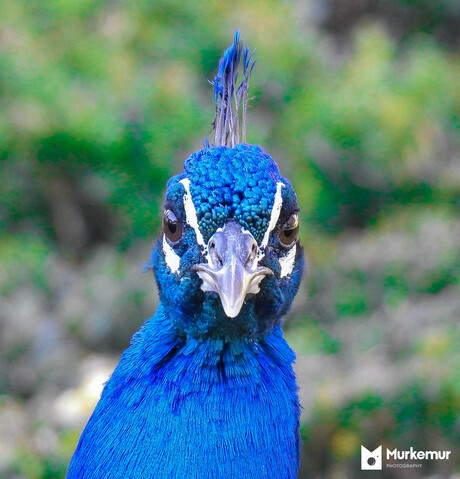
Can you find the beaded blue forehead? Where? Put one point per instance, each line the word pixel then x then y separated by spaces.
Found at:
pixel 237 183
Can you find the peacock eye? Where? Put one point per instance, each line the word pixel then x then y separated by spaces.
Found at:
pixel 288 233
pixel 171 226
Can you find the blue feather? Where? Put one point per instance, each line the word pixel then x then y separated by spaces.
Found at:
pixel 167 411
pixel 228 96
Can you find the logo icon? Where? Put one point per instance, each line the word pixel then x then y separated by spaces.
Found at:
pixel 371 460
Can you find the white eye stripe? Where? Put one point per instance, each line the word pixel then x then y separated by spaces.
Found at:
pixel 171 257
pixel 275 214
pixel 287 262
pixel 190 212
pixel 192 219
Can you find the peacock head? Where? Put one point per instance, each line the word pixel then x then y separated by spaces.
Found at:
pixel 229 262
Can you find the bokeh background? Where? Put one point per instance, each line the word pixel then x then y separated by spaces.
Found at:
pixel 358 100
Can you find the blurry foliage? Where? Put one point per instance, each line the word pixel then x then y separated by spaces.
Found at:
pixel 377 130
pixel 309 337
pixel 401 419
pixel 404 18
pixel 102 101
pixel 408 253
pixel 23 262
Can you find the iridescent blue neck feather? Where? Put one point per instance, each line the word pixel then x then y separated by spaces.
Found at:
pixel 185 408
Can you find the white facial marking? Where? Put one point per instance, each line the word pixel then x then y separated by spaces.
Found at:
pixel 287 262
pixel 207 284
pixel 171 257
pixel 275 214
pixel 254 288
pixel 190 212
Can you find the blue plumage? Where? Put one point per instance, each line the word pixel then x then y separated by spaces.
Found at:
pixel 207 389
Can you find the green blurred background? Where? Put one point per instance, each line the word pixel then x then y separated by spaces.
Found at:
pixel 358 100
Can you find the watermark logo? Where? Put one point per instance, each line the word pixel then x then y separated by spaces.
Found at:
pixel 371 460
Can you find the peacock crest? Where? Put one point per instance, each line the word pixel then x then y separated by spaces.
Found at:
pixel 232 99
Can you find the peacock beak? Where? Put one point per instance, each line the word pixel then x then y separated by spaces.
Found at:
pixel 232 270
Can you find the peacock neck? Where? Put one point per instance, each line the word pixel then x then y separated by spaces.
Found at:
pixel 203 408
pixel 240 394
pixel 221 356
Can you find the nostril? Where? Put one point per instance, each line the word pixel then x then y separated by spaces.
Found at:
pixel 215 254
pixel 252 254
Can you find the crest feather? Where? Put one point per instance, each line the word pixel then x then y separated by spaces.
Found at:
pixel 232 99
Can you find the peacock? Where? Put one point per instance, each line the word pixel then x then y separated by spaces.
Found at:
pixel 207 388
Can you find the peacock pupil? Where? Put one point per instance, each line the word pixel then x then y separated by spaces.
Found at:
pixel 171 226
pixel 288 233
